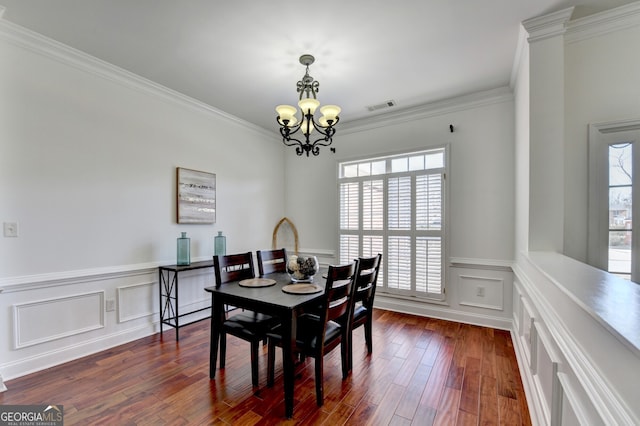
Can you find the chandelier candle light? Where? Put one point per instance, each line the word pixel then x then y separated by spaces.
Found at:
pixel 290 125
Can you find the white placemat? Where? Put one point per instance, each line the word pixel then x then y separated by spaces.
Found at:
pixel 257 282
pixel 302 288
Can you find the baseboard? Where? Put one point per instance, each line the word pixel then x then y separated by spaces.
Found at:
pixel 444 312
pixel 56 357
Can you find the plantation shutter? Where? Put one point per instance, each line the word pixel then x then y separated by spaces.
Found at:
pixel 395 206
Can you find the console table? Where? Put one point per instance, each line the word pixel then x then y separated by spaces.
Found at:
pixel 168 289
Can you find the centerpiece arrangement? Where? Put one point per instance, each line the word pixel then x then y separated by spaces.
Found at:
pixel 302 269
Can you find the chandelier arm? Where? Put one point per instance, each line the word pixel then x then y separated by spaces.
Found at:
pixel 292 142
pixel 300 147
pixel 284 125
pixel 287 130
pixel 325 141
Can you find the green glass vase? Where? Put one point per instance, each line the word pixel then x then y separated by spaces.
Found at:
pixel 184 250
pixel 220 244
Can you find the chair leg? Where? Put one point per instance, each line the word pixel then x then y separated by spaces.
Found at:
pixel 223 348
pixel 319 380
pixel 345 354
pixel 254 363
pixel 367 334
pixel 271 360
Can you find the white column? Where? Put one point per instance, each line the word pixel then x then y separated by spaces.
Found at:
pixel 546 132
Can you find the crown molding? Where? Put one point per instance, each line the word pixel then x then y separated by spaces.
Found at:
pixel 547 26
pixel 67 55
pixel 616 19
pixel 431 109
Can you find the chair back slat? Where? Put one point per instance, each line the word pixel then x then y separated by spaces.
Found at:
pixel 366 279
pixel 233 267
pixel 338 292
pixel 270 261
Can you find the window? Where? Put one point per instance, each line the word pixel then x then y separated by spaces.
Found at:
pixel 394 205
pixel 614 151
pixel 620 208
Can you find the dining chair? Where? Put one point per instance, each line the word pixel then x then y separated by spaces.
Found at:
pixel 318 334
pixel 270 261
pixel 247 325
pixel 362 302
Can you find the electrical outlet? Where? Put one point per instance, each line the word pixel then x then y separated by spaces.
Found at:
pixel 111 305
pixel 10 229
pixel 480 291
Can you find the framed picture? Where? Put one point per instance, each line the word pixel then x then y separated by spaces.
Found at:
pixel 196 196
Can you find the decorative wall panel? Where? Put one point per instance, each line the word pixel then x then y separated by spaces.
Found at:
pixel 482 292
pixel 137 301
pixel 45 320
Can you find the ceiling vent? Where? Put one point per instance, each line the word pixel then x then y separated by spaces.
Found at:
pixel 387 104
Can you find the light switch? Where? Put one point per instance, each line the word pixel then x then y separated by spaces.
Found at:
pixel 10 229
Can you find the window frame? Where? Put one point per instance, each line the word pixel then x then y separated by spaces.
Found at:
pixel 385 233
pixel 601 136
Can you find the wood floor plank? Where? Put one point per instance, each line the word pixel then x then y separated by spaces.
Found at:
pixel 409 367
pixel 337 416
pixel 399 421
pixel 466 419
pixel 422 371
pixel 509 411
pixel 470 392
pixel 424 416
pixel 387 406
pixel 447 413
pixel 411 398
pixel 507 378
pixel 433 348
pixel 488 413
pixel 438 377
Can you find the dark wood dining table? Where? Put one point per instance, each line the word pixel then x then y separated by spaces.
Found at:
pixel 267 300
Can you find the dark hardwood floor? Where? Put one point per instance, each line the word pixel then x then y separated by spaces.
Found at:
pixel 422 371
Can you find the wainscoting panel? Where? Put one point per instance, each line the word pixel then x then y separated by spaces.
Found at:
pixel 51 319
pixel 482 292
pixel 572 411
pixel 137 301
pixel 527 334
pixel 516 302
pixel 545 374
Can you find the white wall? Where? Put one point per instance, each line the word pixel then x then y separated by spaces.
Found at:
pixel 88 171
pixel 88 157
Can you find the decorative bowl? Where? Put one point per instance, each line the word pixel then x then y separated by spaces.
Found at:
pixel 302 269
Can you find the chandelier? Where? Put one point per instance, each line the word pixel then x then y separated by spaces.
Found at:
pixel 297 132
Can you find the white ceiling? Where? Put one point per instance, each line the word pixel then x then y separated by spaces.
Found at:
pixel 241 56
